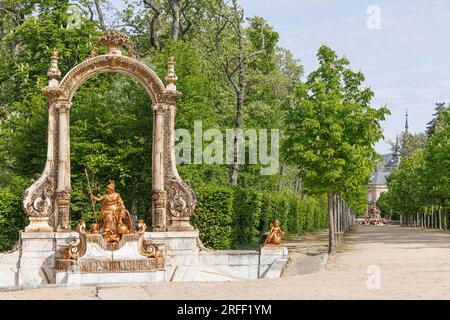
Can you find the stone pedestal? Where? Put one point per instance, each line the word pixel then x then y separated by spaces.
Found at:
pixel 38 225
pixel 37 261
pixel 273 259
pixel 9 267
pixel 177 245
pixel 180 249
pixel 38 256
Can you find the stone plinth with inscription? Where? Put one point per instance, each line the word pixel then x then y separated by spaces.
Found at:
pixel 90 259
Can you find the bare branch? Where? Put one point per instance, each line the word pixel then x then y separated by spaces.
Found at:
pixel 91 12
pixel 254 54
pixel 185 29
pixel 230 76
pixel 8 11
pixel 100 14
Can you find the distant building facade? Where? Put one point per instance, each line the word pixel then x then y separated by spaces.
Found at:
pixel 378 178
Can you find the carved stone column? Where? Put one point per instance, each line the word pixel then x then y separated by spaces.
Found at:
pixel 63 189
pixel 39 198
pixel 158 193
pixel 181 199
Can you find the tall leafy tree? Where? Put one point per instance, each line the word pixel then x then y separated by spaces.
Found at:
pixel 332 129
pixel 437 119
pixel 420 184
pixel 437 160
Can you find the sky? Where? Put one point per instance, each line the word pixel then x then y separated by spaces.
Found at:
pixel 402 47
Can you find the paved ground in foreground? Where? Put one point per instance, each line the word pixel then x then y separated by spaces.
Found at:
pixel 413 264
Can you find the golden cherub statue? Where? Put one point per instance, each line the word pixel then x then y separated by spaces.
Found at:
pixel 276 235
pixel 115 217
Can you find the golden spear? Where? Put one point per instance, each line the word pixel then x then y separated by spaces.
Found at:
pixel 92 195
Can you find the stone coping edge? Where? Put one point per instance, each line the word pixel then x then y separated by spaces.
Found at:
pixel 65 285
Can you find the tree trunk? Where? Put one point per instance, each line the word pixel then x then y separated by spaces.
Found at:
pixel 433 220
pixel 175 7
pixel 154 33
pixel 345 218
pixel 340 217
pixel 444 219
pixel 280 182
pixel 335 219
pixel 298 186
pixel 239 110
pixel 237 139
pixel 147 214
pixel 331 243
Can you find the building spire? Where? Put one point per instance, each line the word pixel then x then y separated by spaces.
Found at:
pixel 406 124
pixel 397 147
pixel 396 155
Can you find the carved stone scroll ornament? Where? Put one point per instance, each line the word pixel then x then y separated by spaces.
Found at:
pixel 181 204
pixel 38 204
pixel 140 226
pixel 181 198
pixel 149 248
pixel 76 248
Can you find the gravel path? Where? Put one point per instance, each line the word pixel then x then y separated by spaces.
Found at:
pixel 387 262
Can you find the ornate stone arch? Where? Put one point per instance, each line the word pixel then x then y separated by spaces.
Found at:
pixel 112 63
pixel 47 200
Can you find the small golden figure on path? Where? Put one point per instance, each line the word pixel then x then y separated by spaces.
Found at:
pixel 115 217
pixel 276 235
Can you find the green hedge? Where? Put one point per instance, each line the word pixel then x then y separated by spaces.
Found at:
pixel 12 218
pixel 235 217
pixel 213 216
pixel 247 212
pixel 226 217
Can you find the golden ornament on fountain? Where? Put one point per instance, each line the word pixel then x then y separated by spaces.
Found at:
pixel 122 229
pixel 276 235
pixel 95 228
pixel 116 219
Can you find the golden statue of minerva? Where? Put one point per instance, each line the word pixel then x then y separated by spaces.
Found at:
pixel 115 217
